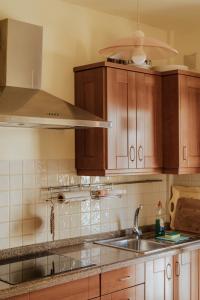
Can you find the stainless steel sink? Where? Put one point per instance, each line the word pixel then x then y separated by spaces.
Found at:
pixel 132 244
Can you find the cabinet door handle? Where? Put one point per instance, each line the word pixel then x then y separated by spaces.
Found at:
pixel 169 271
pixel 132 153
pixel 140 153
pixel 177 269
pixel 125 278
pixel 184 152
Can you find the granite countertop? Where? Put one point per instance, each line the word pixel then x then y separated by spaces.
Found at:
pixel 105 259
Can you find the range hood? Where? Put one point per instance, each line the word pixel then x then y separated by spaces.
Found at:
pixel 22 102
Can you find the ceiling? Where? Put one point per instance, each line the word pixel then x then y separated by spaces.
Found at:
pixel 165 14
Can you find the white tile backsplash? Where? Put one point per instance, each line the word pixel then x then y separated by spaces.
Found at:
pixel 25 214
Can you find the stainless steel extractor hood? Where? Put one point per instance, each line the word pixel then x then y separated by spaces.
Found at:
pixel 22 102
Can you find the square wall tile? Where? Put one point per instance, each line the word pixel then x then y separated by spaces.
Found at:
pixel 95 217
pixel 64 223
pixel 15 182
pixel 4 243
pixel 4 214
pixel 4 182
pixel 41 237
pixel 29 196
pixel 53 179
pixel 28 211
pixel 85 219
pixel 4 198
pixel 29 181
pixel 15 167
pixel 15 242
pixel 16 213
pixel 52 166
pixel 75 220
pixel 16 229
pixel 41 166
pixel 4 167
pixel 4 230
pixel 29 166
pixel 28 227
pixel 28 240
pixel 16 197
pixel 41 181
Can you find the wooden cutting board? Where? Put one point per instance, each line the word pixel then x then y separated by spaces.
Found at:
pixel 179 192
pixel 187 215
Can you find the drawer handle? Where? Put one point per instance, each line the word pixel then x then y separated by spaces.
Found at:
pixel 140 153
pixel 169 271
pixel 132 153
pixel 177 269
pixel 125 278
pixel 184 152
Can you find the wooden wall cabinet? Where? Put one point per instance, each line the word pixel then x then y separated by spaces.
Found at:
pixel 131 99
pixel 181 122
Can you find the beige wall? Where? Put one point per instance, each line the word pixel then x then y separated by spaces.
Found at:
pixel 72 36
pixel 187 42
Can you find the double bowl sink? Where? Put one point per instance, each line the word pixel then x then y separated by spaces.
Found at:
pixel 142 245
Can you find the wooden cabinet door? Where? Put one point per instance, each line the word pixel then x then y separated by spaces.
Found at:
pixel 159 279
pixel 186 276
pixel 90 143
pixel 189 121
pixel 132 120
pixel 149 121
pixel 117 112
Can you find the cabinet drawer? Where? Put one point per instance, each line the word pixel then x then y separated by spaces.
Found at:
pixel 83 289
pixel 134 293
pixel 123 278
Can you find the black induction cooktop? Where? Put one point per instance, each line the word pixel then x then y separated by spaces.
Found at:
pixel 38 266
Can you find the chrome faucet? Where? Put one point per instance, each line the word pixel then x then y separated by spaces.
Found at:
pixel 136 228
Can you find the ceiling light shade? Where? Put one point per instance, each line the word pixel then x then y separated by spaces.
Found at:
pixel 138 47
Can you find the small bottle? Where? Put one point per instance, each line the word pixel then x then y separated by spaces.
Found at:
pixel 159 224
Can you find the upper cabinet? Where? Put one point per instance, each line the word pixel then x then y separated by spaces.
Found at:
pixel 181 122
pixel 131 99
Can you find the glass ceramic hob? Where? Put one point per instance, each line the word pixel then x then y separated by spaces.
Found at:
pixel 38 266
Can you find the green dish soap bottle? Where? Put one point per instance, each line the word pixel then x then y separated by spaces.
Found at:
pixel 159 223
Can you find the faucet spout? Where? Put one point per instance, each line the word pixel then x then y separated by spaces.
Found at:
pixel 136 228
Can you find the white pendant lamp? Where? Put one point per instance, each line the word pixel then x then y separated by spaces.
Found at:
pixel 138 47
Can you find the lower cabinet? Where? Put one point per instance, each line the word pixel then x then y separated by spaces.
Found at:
pixel 83 289
pixel 165 278
pixel 186 275
pixel 134 293
pixel 173 277
pixel 159 279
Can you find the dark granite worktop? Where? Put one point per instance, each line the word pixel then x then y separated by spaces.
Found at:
pixel 105 259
